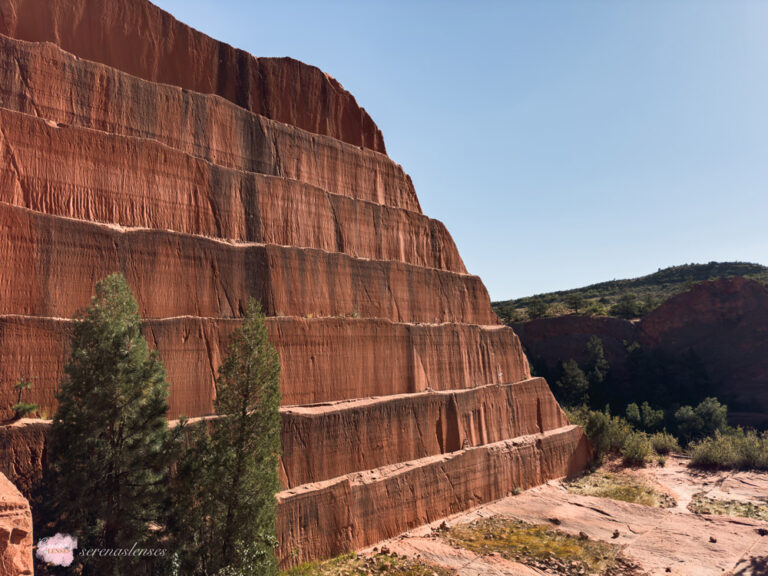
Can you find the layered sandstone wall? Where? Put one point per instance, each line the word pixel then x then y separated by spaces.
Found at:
pixel 82 94
pixel 323 359
pixel 206 176
pixel 329 440
pixel 15 531
pixel 351 512
pixel 322 519
pixel 137 37
pixel 75 175
pixel 51 264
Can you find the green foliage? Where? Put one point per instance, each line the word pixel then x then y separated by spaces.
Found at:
pixel 107 475
pixel 22 409
pixel 664 443
pixel 573 384
pixel 708 417
pixel 650 291
pixel 575 301
pixel 633 414
pixel 537 308
pixel 607 433
pixel 597 365
pixel 645 417
pixel 224 502
pixel 637 450
pixel 627 306
pixel 734 449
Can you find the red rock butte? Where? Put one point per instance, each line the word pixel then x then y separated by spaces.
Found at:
pixel 132 143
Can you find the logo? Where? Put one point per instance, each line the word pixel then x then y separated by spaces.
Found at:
pixel 58 550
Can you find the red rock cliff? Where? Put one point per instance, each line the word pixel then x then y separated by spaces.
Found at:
pixel 137 37
pixel 724 322
pixel 404 399
pixel 15 531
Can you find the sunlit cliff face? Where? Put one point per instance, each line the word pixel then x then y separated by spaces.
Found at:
pixel 14 546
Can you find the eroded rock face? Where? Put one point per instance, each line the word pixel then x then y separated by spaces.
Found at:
pixel 131 143
pixel 15 531
pixel 139 38
pixel 723 322
pixel 322 359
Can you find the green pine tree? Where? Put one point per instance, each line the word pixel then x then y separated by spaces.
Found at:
pixel 107 479
pixel 573 386
pixel 224 504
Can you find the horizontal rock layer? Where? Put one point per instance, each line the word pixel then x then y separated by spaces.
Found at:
pixel 42 80
pixel 322 359
pixel 72 172
pixel 329 440
pixel 139 38
pixel 15 531
pixel 51 264
pixel 325 519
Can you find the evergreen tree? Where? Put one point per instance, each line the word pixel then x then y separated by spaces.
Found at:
pixel 225 506
pixel 575 301
pixel 107 476
pixel 537 308
pixel 573 384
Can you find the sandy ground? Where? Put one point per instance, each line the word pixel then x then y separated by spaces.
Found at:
pixel 670 541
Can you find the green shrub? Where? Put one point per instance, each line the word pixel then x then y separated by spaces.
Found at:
pixel 737 449
pixel 607 433
pixel 637 450
pixel 663 443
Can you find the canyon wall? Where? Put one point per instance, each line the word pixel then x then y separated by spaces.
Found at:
pixel 721 324
pixel 131 143
pixel 138 38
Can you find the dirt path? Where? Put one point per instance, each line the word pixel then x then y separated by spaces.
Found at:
pixel 661 541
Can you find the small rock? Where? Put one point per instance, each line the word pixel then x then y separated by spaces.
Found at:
pixel 668 569
pixel 712 539
pixel 615 534
pixel 583 536
pixel 385 549
pixel 762 532
pixel 555 521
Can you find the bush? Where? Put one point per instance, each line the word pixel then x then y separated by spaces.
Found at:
pixel 663 443
pixel 637 450
pixel 737 449
pixel 606 433
pixel 707 418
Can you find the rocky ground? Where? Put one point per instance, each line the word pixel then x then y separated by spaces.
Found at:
pixel 667 538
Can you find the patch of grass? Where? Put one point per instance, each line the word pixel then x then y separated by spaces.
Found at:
pixel 355 565
pixel 620 487
pixel 701 504
pixel 536 545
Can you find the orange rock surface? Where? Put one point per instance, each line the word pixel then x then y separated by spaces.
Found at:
pixel 50 265
pixel 327 518
pixel 130 142
pixel 328 440
pixel 139 38
pixel 165 189
pixel 15 531
pixel 323 360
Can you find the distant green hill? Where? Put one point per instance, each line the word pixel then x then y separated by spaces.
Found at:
pixel 625 298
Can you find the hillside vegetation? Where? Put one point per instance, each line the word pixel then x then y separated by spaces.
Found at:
pixel 631 298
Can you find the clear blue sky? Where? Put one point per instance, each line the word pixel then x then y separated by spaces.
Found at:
pixel 562 143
